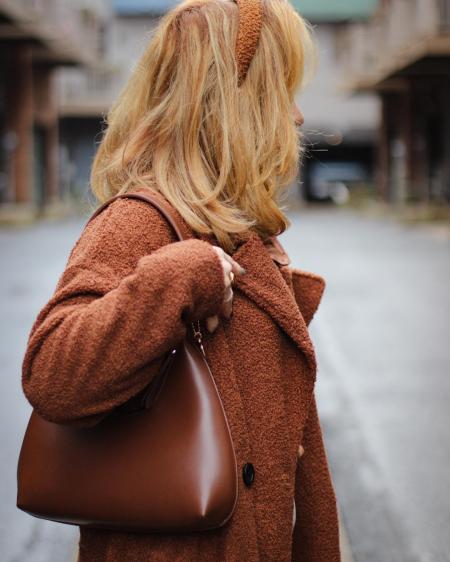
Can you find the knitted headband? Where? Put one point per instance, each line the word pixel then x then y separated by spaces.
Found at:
pixel 250 22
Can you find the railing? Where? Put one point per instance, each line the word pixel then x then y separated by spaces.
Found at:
pixel 395 34
pixel 89 91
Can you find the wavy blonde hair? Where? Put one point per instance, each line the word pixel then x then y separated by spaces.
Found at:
pixel 182 127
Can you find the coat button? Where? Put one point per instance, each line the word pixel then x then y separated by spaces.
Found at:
pixel 248 473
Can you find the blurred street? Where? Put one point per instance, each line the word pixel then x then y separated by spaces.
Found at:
pixel 383 388
pixel 32 259
pixel 381 336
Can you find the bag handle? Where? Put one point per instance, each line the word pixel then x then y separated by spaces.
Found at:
pixel 154 199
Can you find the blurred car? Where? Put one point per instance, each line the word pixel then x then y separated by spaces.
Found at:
pixel 332 181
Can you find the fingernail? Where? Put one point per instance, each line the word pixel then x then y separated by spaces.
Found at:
pixel 243 271
pixel 211 323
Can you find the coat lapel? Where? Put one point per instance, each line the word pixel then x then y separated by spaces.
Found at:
pixel 266 287
pixel 308 289
pixel 306 286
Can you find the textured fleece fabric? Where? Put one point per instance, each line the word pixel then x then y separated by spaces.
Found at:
pixel 250 22
pixel 125 298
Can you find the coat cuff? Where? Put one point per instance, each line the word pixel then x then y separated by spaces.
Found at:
pixel 196 268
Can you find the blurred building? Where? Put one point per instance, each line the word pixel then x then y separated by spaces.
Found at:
pixel 36 37
pixel 340 126
pixel 403 55
pixel 87 93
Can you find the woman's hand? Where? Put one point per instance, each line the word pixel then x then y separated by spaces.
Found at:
pixel 230 269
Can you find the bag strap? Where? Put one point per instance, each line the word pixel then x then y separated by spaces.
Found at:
pixel 158 201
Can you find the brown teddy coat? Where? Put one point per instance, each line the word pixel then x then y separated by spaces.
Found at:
pixel 127 296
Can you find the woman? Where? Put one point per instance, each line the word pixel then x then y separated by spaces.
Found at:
pixel 208 120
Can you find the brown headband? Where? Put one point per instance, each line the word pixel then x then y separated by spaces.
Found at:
pixel 250 22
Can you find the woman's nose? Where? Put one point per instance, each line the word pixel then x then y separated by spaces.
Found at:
pixel 298 115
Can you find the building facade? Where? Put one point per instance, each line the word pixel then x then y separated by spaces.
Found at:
pixel 85 94
pixel 403 55
pixel 340 129
pixel 36 37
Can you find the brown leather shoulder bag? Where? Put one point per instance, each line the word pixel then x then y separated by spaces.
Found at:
pixel 163 463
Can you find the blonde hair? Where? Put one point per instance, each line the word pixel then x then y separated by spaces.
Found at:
pixel 182 127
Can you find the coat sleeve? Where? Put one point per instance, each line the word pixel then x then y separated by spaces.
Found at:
pixel 316 530
pixel 125 298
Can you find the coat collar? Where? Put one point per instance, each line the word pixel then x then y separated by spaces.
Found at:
pixel 265 285
pixel 308 289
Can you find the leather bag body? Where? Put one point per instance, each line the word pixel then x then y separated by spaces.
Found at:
pixel 164 462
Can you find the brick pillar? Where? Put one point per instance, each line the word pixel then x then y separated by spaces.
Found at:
pixel 46 115
pixel 382 176
pixel 407 134
pixel 19 121
pixel 446 119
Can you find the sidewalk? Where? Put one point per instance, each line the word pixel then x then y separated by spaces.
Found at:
pixel 433 218
pixel 27 214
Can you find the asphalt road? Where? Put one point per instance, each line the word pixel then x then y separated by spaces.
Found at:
pixel 381 336
pixel 32 259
